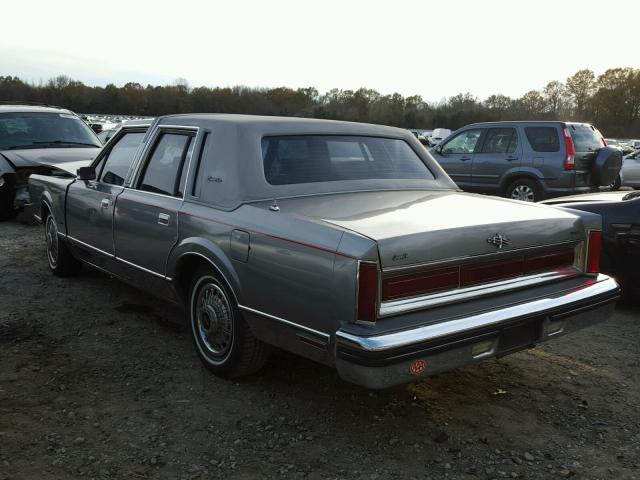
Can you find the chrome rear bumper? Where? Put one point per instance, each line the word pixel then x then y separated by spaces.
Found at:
pixel 399 357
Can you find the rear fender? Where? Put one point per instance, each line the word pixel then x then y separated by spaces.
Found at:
pixel 520 172
pixel 207 253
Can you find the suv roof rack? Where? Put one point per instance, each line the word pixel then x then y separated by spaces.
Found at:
pixel 30 104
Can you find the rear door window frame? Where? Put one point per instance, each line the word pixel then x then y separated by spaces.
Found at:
pixel 151 144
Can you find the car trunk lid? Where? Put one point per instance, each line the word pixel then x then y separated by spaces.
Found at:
pixel 420 227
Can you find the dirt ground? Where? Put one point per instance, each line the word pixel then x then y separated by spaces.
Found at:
pixel 98 380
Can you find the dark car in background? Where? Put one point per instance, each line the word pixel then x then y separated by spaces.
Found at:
pixel 620 212
pixel 34 139
pixel 529 161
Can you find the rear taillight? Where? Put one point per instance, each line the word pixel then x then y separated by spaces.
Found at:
pixel 367 292
pixel 570 157
pixel 594 247
pixel 420 283
pixel 604 142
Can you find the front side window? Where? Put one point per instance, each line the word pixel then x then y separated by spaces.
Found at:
pixel 464 142
pixel 44 130
pixel 164 169
pixel 543 139
pixel 330 158
pixel 500 140
pixel 120 157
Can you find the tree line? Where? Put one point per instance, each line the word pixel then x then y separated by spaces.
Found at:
pixel 610 101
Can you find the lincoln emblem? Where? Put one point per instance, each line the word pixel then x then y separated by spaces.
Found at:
pixel 499 240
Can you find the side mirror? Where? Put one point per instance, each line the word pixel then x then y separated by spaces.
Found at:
pixel 439 149
pixel 86 173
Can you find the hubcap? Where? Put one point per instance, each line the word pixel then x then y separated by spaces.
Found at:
pixel 51 234
pixel 214 320
pixel 523 193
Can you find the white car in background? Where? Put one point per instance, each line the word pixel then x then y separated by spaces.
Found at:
pixel 438 135
pixel 630 171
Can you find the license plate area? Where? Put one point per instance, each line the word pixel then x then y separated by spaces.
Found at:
pixel 518 337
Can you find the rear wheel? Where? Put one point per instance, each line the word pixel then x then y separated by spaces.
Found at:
pixel 61 262
pixel 524 189
pixel 615 185
pixel 223 340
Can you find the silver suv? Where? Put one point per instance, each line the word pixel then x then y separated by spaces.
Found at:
pixel 529 160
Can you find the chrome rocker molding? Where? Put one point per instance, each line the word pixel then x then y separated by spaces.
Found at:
pixel 110 255
pixel 384 360
pixel 289 323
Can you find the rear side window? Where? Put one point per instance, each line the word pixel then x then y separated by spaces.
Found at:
pixel 120 158
pixel 164 168
pixel 543 139
pixel 331 158
pixel 500 140
pixel 585 138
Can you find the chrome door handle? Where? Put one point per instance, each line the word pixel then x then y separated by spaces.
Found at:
pixel 464 159
pixel 163 219
pixel 511 159
pixel 104 203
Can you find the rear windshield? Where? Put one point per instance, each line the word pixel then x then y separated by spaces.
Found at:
pixel 585 138
pixel 331 158
pixel 543 139
pixel 44 130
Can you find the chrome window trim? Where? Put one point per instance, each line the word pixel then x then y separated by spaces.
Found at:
pixel 318 333
pixel 411 304
pixel 105 152
pixel 143 156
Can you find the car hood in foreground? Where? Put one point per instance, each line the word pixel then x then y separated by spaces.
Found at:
pixel 413 227
pixel 588 197
pixel 33 157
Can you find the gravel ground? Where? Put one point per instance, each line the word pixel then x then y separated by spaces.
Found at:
pixel 98 380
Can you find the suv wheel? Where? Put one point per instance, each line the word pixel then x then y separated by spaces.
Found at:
pixel 223 340
pixel 615 185
pixel 525 190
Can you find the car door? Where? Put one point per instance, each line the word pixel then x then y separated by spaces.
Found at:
pixel 146 213
pixel 90 203
pixel 630 173
pixel 456 155
pixel 500 152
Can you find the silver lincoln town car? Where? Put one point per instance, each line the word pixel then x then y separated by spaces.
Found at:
pixel 342 242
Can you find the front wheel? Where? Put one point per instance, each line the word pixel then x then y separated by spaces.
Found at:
pixel 61 262
pixel 223 340
pixel 525 190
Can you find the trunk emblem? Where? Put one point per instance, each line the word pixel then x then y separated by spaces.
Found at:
pixel 499 240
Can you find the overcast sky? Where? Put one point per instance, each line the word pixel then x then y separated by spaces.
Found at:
pixel 430 48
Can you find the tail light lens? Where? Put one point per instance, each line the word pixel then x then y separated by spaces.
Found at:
pixel 593 251
pixel 604 142
pixel 420 284
pixel 570 158
pixel 367 292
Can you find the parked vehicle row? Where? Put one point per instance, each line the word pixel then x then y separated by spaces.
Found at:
pixel 345 243
pixel 620 212
pixel 529 161
pixel 34 140
pixel 629 175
